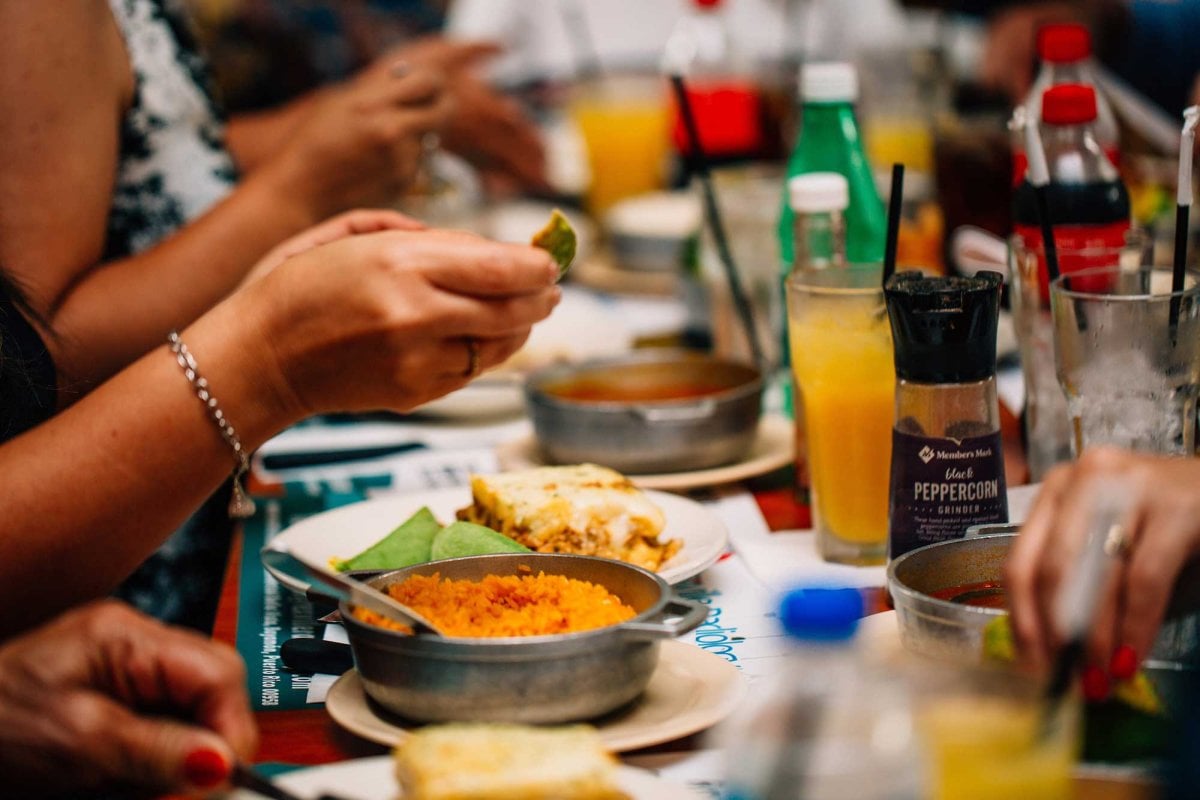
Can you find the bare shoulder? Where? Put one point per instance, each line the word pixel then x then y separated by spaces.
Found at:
pixel 65 82
pixel 58 44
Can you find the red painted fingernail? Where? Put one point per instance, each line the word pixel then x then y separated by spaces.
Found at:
pixel 1124 663
pixel 205 768
pixel 1095 683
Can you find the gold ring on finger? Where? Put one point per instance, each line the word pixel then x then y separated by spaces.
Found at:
pixel 472 357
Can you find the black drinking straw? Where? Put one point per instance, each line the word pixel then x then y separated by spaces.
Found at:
pixel 895 200
pixel 699 164
pixel 1183 206
pixel 1039 178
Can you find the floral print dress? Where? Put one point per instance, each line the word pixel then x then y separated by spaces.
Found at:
pixel 173 166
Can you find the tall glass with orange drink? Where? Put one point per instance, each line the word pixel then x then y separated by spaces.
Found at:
pixel 841 346
pixel 624 121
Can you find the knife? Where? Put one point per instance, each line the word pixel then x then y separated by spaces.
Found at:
pixel 313 458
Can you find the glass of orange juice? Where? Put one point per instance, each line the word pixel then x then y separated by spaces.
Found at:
pixel 987 735
pixel 624 121
pixel 841 345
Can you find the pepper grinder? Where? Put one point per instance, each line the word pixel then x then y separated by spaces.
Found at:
pixel 947 466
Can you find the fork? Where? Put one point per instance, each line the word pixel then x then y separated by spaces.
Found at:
pixel 245 777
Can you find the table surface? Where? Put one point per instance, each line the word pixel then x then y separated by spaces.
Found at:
pixel 311 737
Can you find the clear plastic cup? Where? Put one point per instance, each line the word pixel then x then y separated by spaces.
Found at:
pixel 1127 351
pixel 1048 429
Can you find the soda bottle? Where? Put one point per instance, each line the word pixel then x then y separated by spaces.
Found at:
pixel 1088 203
pixel 1065 51
pixel 721 88
pixel 830 141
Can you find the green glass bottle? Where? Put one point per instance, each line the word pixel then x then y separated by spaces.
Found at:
pixel 829 141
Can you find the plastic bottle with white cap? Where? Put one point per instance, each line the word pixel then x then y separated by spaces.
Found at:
pixel 818 201
pixel 832 726
pixel 830 141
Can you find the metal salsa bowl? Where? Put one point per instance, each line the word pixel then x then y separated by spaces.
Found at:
pixel 533 679
pixel 605 411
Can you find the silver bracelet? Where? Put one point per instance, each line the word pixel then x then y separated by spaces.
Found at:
pixel 240 504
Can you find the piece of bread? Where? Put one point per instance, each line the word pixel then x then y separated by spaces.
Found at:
pixel 506 762
pixel 583 509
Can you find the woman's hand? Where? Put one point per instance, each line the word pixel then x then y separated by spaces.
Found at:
pixel 487 128
pixel 104 696
pixel 1163 532
pixel 359 143
pixel 389 320
pixel 352 223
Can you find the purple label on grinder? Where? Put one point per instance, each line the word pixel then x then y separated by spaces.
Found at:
pixel 940 487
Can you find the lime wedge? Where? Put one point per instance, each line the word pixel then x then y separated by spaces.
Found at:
pixel 557 238
pixel 1137 692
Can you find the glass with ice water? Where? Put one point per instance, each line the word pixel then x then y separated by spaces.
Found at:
pixel 1127 353
pixel 1047 425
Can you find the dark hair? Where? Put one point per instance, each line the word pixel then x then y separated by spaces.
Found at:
pixel 28 392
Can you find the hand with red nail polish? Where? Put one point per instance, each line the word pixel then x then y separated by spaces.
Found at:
pixel 1159 540
pixel 72 701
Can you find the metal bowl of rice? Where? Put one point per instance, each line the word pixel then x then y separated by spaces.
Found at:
pixel 554 678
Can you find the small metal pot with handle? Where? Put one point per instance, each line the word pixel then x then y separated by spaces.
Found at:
pixel 533 679
pixel 650 411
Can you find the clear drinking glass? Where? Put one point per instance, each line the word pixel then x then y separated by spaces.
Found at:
pixel 841 345
pixel 987 737
pixel 625 124
pixel 1127 351
pixel 1048 430
pixel 749 201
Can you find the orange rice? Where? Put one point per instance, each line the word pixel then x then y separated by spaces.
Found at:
pixel 526 605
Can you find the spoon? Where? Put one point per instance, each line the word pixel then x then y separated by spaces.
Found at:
pixel 279 558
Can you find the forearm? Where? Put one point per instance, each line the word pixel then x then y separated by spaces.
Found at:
pixel 94 491
pixel 252 138
pixel 115 313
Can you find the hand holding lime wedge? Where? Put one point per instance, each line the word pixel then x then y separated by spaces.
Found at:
pixel 557 238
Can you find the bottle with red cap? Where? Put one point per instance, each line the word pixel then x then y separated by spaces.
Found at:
pixel 721 87
pixel 1088 203
pixel 1065 51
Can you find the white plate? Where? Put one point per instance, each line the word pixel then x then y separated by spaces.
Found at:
pixel 346 531
pixel 691 690
pixel 486 398
pixel 772 448
pixel 375 779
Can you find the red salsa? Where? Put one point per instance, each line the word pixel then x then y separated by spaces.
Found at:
pixel 607 392
pixel 985 594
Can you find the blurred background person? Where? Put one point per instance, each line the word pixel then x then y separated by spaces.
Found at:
pixel 1148 43
pixel 268 53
